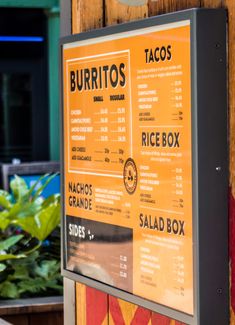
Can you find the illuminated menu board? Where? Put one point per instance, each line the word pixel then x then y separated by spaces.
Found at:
pixel 128 175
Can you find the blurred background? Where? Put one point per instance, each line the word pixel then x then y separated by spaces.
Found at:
pixel 29 104
pixel 31 286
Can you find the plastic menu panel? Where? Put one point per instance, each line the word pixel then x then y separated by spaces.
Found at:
pixel 127 162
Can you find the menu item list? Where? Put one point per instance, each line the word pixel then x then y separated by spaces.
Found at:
pixel 128 164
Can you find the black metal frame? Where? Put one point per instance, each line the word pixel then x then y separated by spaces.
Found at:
pixel 209 165
pixel 40 167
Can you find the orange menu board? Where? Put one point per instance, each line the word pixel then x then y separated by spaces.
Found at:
pixel 128 164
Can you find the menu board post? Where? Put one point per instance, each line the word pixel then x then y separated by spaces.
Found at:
pixel 144 147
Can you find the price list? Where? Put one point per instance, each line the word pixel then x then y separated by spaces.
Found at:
pixel 163 119
pixel 99 131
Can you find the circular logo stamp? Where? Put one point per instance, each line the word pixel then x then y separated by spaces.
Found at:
pixel 130 176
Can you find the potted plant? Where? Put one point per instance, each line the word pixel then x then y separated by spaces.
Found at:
pixel 29 243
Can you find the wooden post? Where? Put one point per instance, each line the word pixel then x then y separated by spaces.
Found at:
pixel 117 12
pixel 95 14
pixel 86 15
pixel 230 5
pixel 162 6
pixel 69 302
pixel 212 3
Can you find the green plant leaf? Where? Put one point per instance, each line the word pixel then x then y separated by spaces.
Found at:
pixel 5 199
pixel 55 286
pixel 6 194
pixel 19 187
pixel 9 242
pixel 15 209
pixel 8 290
pixel 43 223
pixel 33 285
pixel 4 257
pixel 52 199
pixel 48 269
pixel 4 219
pixel 40 190
pixel 21 272
pixel 27 224
pixel 29 261
pixel 34 186
pixel 24 209
pixel 2 267
pixel 36 285
pixel 47 220
pixel 4 203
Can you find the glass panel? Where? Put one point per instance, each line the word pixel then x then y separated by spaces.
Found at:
pixel 15 117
